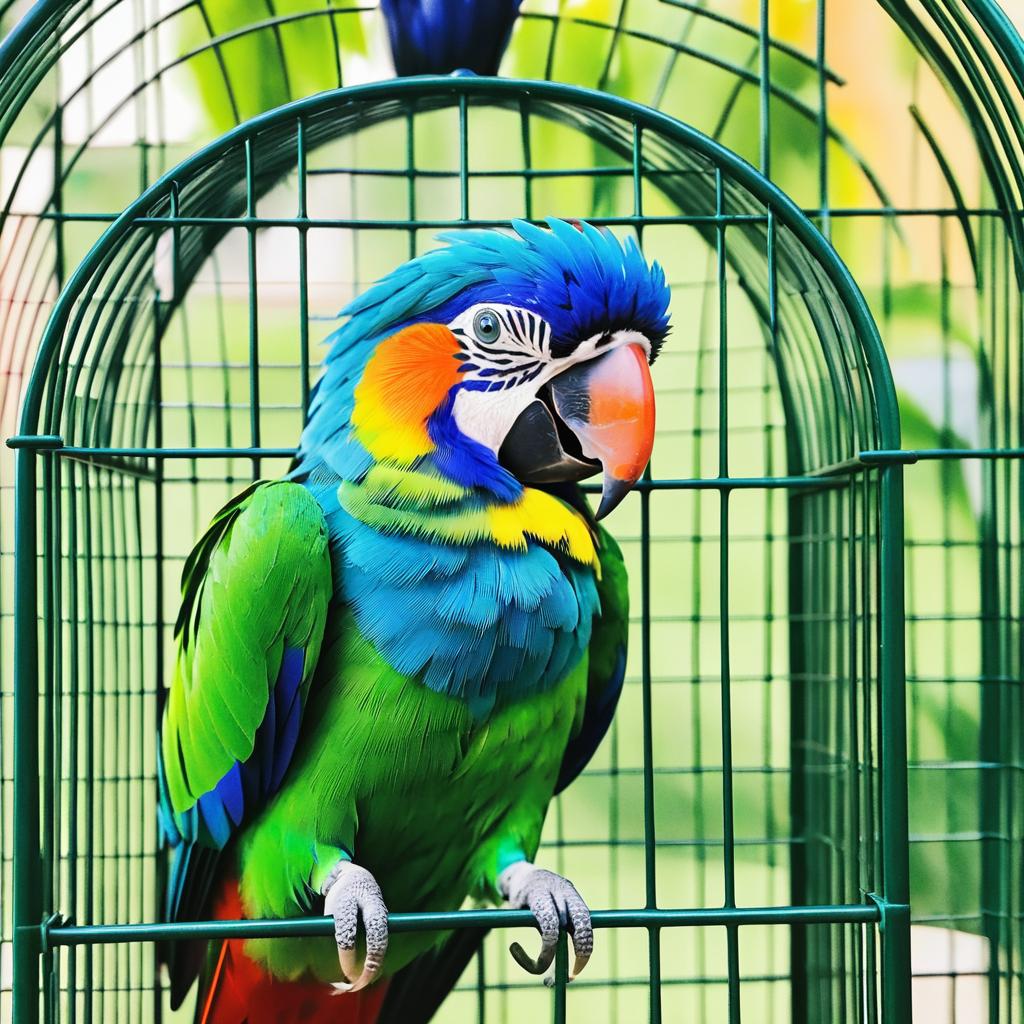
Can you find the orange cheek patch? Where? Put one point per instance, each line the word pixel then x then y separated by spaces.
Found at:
pixel 406 379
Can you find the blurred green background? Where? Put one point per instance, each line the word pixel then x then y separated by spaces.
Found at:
pixel 863 132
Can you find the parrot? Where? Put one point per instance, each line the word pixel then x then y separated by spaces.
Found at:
pixel 390 660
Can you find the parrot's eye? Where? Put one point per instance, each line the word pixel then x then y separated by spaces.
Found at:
pixel 487 326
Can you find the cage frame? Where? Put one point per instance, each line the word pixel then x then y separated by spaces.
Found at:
pixel 888 909
pixel 966 74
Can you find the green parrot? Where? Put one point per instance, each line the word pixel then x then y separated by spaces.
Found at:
pixel 390 661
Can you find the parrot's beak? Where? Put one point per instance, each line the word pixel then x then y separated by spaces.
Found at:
pixel 597 415
pixel 608 403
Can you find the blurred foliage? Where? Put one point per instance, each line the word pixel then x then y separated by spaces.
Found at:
pixel 291 51
pixel 942 532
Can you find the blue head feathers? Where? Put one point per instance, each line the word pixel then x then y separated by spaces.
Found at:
pixel 580 279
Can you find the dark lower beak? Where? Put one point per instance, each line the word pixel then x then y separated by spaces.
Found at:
pixel 596 415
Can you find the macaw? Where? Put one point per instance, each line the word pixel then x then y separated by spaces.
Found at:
pixel 391 660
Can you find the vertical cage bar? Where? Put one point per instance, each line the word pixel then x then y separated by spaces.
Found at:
pixel 524 131
pixel 254 328
pixel 650 839
pixel 481 985
pixel 157 400
pixel 638 190
pixel 771 679
pixel 55 574
pixel 869 610
pixel 303 214
pixel 819 60
pixel 89 893
pixel 561 978
pixel 74 663
pixel 26 875
pixel 990 749
pixel 463 158
pixel 46 801
pixel 855 578
pixel 410 177
pixel 764 90
pixel 896 970
pixel 174 211
pixel 728 824
pixel 59 258
pixel 798 525
pixel 701 816
pixel 837 640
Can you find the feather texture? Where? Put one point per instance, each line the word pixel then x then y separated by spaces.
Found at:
pixel 606 672
pixel 399 654
pixel 256 591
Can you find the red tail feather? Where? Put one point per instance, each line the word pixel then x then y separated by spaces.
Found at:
pixel 241 992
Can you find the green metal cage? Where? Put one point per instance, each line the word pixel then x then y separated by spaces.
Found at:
pixel 804 489
pixel 938 254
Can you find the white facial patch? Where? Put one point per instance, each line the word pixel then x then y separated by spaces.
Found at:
pixel 487 416
pixel 592 346
pixel 518 359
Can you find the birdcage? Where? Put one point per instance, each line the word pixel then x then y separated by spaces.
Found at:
pixel 796 805
pixel 786 474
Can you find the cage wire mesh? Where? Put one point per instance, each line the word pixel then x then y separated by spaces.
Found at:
pixel 767 399
pixel 909 162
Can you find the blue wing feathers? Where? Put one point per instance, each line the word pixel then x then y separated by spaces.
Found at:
pixel 263 748
pixel 247 782
pixel 232 794
pixel 289 712
pixel 211 810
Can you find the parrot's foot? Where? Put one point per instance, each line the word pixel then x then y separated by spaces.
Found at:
pixel 351 892
pixel 555 904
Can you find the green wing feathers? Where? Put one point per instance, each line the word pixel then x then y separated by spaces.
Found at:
pixel 255 593
pixel 254 604
pixel 607 660
pixel 258 583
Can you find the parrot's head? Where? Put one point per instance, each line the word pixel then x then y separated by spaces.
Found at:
pixel 513 359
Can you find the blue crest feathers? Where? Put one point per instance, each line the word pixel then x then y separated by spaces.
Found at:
pixel 581 279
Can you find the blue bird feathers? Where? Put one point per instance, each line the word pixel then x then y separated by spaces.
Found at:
pixel 582 281
pixel 578 277
pixel 436 37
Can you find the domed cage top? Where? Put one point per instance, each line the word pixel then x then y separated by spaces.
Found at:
pixel 760 876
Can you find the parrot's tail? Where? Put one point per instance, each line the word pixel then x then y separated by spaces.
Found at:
pixel 239 991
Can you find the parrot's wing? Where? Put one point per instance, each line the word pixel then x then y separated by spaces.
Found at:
pixel 255 595
pixel 607 661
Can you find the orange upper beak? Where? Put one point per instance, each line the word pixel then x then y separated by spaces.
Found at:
pixel 608 403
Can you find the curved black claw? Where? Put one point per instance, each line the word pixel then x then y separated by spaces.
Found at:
pixel 351 893
pixel 555 904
